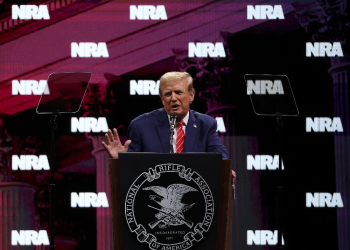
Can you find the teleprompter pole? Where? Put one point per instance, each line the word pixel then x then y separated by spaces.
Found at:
pixel 54 125
pixel 279 127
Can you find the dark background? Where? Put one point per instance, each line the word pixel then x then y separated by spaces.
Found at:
pixel 146 49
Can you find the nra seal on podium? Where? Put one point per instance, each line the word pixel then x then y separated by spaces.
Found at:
pixel 169 207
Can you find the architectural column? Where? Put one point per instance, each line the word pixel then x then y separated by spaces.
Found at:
pixel 17 211
pixel 340 73
pixel 17 204
pixel 98 102
pixel 328 21
pixel 103 214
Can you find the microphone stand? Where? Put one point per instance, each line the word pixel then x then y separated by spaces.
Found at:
pixel 173 120
pixel 171 138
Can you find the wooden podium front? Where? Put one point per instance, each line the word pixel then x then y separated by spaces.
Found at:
pixel 213 176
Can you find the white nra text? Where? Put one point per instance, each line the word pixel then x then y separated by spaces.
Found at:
pixel 29 162
pixel 89 50
pixel 324 200
pixel 88 199
pixel 262 237
pixel 27 12
pixel 144 87
pixel 323 124
pixel 30 87
pixel 265 12
pixel 29 237
pixel 324 49
pixel 263 162
pixel 89 124
pixel 220 125
pixel 206 49
pixel 263 87
pixel 148 12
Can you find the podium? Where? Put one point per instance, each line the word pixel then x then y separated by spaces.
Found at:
pixel 171 201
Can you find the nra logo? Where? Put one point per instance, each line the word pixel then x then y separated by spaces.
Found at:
pixel 88 200
pixel 144 87
pixel 89 124
pixel 324 200
pixel 148 12
pixel 27 12
pixel 263 162
pixel 89 50
pixel 29 162
pixel 220 125
pixel 206 49
pixel 322 124
pixel 29 237
pixel 263 87
pixel 323 49
pixel 30 87
pixel 262 237
pixel 265 12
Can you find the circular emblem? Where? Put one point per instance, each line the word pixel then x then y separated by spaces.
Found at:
pixel 169 207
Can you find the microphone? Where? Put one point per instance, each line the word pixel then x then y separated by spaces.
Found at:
pixel 173 120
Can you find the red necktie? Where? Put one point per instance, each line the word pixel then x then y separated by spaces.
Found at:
pixel 180 137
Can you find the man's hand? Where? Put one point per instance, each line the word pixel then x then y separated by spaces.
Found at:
pixel 233 176
pixel 113 144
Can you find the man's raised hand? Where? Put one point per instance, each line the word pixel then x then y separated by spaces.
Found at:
pixel 113 144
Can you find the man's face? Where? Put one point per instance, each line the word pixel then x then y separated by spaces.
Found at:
pixel 176 98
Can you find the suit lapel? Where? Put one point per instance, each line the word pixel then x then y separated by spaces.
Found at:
pixel 163 128
pixel 191 132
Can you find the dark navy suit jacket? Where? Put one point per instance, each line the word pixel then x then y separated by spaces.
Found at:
pixel 150 132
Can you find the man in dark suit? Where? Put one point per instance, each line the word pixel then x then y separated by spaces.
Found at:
pixel 150 132
pixel 201 135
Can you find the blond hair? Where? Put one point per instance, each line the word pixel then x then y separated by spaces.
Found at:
pixel 170 76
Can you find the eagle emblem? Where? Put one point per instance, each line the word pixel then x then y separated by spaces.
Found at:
pixel 172 209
